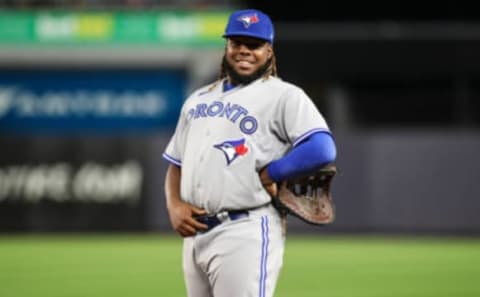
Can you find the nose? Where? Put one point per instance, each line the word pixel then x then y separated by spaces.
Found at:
pixel 244 49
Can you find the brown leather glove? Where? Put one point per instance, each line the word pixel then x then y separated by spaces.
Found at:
pixel 308 197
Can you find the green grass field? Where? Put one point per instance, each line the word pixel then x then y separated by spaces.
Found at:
pixel 149 266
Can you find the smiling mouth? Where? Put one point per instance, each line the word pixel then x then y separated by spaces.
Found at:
pixel 244 64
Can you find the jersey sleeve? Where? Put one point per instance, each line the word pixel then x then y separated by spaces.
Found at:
pixel 300 118
pixel 174 150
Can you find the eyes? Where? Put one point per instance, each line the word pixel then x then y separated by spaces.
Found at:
pixel 251 44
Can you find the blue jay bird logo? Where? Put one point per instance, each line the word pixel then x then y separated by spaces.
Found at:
pixel 247 20
pixel 232 149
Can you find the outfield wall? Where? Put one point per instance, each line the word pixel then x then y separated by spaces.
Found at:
pixel 419 182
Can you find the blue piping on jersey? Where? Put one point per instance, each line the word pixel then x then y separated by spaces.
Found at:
pixel 308 133
pixel 263 260
pixel 227 86
pixel 314 152
pixel 172 159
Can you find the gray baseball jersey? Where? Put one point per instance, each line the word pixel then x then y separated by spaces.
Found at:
pixel 223 139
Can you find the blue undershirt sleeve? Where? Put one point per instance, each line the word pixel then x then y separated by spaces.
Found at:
pixel 314 152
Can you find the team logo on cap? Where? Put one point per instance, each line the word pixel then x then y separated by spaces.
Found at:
pixel 249 19
pixel 232 149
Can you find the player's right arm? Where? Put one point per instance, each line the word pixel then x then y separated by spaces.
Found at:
pixel 180 213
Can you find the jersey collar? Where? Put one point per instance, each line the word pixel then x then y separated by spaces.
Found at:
pixel 227 86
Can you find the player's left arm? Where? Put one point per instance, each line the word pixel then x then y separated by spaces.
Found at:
pixel 312 153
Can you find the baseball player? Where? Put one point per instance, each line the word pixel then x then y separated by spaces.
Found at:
pixel 234 141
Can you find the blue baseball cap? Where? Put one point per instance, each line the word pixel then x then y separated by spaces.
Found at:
pixel 251 23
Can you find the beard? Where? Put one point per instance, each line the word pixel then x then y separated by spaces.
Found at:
pixel 236 78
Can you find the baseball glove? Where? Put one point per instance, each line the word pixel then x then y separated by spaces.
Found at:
pixel 308 197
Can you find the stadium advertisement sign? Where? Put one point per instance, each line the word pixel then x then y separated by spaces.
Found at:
pixel 73 183
pixel 63 182
pixel 89 100
pixel 165 28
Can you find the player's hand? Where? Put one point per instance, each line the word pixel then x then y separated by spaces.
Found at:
pixel 272 189
pixel 181 217
pixel 269 185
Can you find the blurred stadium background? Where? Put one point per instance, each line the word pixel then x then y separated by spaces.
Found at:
pixel 90 91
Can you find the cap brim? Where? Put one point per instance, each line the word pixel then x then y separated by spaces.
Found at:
pixel 247 34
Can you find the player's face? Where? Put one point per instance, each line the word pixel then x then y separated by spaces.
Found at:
pixel 246 55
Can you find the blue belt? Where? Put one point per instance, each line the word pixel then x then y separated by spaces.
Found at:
pixel 214 220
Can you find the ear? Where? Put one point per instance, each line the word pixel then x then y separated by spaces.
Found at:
pixel 269 51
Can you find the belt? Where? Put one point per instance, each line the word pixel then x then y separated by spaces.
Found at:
pixel 214 220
